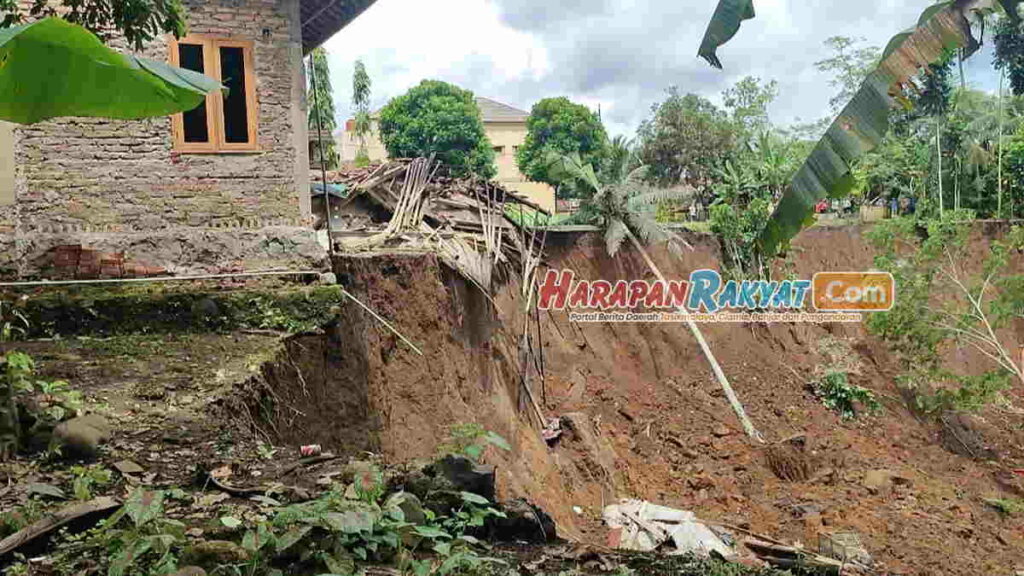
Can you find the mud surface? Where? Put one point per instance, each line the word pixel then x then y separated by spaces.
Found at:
pixel 645 418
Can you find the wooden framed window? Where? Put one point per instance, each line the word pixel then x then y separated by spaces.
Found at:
pixel 224 123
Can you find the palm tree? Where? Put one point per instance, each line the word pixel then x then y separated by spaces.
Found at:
pixel 624 208
pixel 621 156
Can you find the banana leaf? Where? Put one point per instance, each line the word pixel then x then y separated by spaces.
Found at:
pixel 1010 6
pixel 723 26
pixel 53 68
pixel 859 128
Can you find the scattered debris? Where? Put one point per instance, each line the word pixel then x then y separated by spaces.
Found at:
pixel 553 431
pixel 844 546
pixel 462 220
pixel 644 527
pixel 127 467
pixel 310 450
pixel 204 478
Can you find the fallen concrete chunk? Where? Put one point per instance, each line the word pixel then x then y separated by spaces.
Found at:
pixel 642 526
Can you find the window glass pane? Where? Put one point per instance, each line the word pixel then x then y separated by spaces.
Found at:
pixel 236 116
pixel 190 56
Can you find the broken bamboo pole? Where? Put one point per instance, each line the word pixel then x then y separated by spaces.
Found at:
pixel 716 368
pixel 381 320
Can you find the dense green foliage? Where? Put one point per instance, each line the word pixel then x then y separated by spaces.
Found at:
pixel 320 97
pixel 928 258
pixel 864 120
pixel 1009 52
pixel 557 125
pixel 138 21
pixel 436 118
pixel 685 139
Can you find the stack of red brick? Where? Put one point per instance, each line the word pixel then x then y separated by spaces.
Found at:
pixel 74 261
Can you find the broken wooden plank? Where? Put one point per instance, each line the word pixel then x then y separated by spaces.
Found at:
pixel 93 510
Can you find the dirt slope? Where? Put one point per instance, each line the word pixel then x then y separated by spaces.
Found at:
pixel 647 419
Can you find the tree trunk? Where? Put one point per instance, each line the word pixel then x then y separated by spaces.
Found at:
pixel 734 401
pixel 999 177
pixel 938 157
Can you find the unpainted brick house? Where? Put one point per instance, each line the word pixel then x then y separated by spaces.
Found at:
pixel 223 187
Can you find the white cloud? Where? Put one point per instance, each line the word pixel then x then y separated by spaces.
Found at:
pixel 402 42
pixel 621 54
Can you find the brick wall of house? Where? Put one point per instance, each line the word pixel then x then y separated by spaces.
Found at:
pixel 84 176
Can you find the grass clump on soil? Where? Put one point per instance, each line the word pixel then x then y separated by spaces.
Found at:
pixel 839 395
pixel 469 440
pixel 149 310
pixel 1007 506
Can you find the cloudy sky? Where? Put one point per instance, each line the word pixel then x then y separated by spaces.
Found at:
pixel 619 54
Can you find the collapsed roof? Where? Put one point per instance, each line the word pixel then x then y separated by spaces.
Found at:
pixel 465 221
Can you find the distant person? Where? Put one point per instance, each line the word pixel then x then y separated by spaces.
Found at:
pixel 693 212
pixel 911 205
pixel 821 207
pixel 894 207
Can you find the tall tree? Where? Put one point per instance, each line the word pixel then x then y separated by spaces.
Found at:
pixel 321 109
pixel 1009 52
pixel 849 65
pixel 685 140
pixel 361 89
pixel 748 103
pixel 558 125
pixel 438 118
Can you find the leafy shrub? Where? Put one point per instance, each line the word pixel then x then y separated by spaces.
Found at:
pixel 20 516
pixel 137 540
pixel 1007 506
pixel 88 477
pixel 926 257
pixel 838 395
pixel 738 230
pixel 42 404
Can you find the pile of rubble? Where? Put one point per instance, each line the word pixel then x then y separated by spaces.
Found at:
pixel 413 205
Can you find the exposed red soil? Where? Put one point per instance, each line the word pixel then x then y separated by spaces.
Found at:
pixel 651 422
